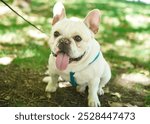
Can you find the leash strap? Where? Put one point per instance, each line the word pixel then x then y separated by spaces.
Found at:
pixel 22 17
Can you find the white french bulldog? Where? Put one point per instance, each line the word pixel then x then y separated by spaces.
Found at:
pixel 76 55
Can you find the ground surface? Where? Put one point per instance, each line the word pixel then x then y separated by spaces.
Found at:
pixel 24 87
pixel 124 37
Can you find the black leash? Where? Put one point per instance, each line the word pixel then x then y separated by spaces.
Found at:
pixel 22 17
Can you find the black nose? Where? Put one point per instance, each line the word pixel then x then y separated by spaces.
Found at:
pixel 65 40
pixel 64 45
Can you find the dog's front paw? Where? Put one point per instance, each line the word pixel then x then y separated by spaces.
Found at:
pixel 93 102
pixel 81 88
pixel 51 87
pixel 100 92
pixel 47 79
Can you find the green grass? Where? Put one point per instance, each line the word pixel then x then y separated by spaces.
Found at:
pixel 30 55
pixel 115 29
pixel 33 56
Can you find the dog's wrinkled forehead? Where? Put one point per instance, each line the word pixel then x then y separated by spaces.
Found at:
pixel 69 27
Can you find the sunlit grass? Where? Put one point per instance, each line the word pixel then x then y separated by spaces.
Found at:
pixel 33 56
pixel 30 55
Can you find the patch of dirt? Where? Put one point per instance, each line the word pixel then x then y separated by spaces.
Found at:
pixel 24 87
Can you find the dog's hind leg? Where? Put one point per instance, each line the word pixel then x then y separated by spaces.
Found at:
pixel 101 85
pixel 104 80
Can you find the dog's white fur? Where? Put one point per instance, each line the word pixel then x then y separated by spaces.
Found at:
pixel 94 75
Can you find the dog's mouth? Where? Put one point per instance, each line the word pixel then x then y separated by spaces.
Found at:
pixel 63 59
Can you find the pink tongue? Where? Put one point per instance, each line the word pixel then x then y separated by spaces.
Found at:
pixel 62 61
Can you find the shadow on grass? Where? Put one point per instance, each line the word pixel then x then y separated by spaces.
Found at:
pixel 114 57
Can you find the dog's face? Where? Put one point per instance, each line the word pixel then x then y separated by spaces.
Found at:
pixel 71 39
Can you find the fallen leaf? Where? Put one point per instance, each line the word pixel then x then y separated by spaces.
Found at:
pixel 116 94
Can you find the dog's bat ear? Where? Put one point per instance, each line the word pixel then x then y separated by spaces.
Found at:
pixel 58 12
pixel 92 20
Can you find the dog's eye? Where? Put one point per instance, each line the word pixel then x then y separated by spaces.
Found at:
pixel 56 34
pixel 77 38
